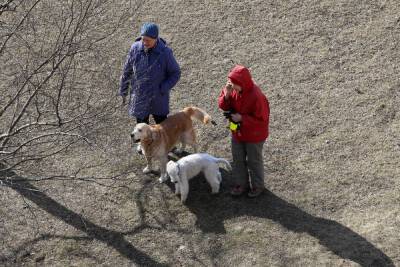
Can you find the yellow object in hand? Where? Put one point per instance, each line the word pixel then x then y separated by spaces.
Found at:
pixel 233 126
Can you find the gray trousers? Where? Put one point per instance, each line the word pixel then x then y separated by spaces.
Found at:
pixel 248 166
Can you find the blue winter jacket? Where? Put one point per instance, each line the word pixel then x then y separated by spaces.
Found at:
pixel 152 75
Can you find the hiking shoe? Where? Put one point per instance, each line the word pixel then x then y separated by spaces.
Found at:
pixel 255 192
pixel 237 190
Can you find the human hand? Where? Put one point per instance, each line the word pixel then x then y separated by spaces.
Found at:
pixel 228 89
pixel 236 117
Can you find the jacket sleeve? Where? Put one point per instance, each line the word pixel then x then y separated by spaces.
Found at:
pixel 127 73
pixel 173 73
pixel 223 103
pixel 259 117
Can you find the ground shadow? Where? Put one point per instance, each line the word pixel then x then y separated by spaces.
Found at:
pixel 22 249
pixel 113 239
pixel 211 212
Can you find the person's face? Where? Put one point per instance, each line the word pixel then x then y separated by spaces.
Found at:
pixel 235 86
pixel 148 42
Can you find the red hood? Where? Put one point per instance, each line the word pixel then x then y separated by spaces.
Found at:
pixel 241 76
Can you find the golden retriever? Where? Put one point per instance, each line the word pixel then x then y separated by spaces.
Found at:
pixel 157 140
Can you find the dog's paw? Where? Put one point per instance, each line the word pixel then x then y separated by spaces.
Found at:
pixel 146 170
pixel 215 190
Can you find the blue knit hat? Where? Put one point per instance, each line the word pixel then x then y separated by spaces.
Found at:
pixel 149 29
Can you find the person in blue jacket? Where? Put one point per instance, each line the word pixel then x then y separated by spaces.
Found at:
pixel 152 71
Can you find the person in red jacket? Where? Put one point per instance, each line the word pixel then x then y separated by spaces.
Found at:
pixel 249 114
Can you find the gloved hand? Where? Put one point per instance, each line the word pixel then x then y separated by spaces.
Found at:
pixel 236 117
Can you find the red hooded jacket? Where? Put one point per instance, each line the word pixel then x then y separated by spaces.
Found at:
pixel 251 103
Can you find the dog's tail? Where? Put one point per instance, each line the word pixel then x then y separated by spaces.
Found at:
pixel 227 164
pixel 199 114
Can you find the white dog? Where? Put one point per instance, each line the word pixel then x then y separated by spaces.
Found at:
pixel 187 167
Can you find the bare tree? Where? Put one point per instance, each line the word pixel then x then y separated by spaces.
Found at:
pixel 54 83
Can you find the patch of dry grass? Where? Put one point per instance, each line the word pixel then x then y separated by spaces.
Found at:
pixel 330 71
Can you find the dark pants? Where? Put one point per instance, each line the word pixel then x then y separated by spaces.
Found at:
pixel 248 166
pixel 157 118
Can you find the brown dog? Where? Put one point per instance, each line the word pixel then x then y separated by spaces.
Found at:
pixel 157 140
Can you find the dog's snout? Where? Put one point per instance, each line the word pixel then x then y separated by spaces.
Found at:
pixel 132 135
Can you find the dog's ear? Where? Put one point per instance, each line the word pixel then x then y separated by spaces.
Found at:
pixel 178 172
pixel 171 170
pixel 174 165
pixel 170 164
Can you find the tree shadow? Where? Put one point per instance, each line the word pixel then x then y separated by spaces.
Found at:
pixel 21 249
pixel 112 238
pixel 211 212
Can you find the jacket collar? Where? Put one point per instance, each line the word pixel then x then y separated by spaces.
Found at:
pixel 160 45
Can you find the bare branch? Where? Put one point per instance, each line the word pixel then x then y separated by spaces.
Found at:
pixel 57 88
pixel 3 46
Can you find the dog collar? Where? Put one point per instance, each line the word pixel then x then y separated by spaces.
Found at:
pixel 148 142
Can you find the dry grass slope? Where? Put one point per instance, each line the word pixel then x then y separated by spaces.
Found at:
pixel 331 72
